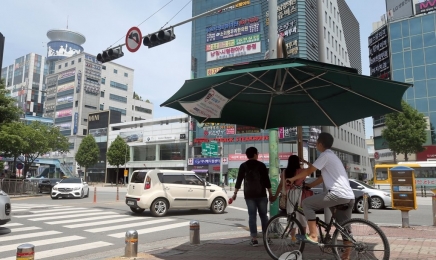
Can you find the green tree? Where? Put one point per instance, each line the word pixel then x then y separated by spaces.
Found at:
pixel 405 131
pixel 118 153
pixel 11 142
pixel 88 153
pixel 8 110
pixel 232 174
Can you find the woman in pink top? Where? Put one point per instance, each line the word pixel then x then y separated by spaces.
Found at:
pixel 293 169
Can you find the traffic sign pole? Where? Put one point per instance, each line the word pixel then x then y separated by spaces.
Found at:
pixel 221 162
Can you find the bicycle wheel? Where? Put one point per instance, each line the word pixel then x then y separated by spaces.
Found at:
pixel 370 241
pixel 277 238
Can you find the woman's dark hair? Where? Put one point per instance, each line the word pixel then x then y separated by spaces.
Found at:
pixel 293 166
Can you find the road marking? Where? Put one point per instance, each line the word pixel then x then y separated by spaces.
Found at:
pixel 150 230
pixel 26 236
pixel 13 230
pixel 42 242
pixel 59 212
pixel 12 225
pixel 54 210
pixel 67 250
pixel 72 215
pixel 18 210
pixel 105 222
pixel 232 207
pixel 103 229
pixel 82 219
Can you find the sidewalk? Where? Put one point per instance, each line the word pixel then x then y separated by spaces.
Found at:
pixel 405 243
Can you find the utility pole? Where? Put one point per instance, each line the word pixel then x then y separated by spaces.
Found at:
pixel 273 133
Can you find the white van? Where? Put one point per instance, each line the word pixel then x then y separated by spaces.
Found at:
pixel 161 190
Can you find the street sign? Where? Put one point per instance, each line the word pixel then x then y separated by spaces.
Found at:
pixel 133 39
pixel 126 173
pixel 190 161
pixel 209 149
pixel 225 160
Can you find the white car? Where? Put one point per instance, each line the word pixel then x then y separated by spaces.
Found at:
pixel 161 190
pixel 5 208
pixel 70 188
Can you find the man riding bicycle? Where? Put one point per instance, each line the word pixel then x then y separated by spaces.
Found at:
pixel 338 192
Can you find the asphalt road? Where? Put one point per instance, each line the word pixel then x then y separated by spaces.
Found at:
pixel 75 228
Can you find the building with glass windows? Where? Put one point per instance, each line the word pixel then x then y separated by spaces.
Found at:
pixel 325 31
pixel 409 55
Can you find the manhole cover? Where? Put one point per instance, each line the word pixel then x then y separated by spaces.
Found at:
pixel 235 219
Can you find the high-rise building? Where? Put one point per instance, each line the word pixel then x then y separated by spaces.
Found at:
pixel 325 31
pixel 404 49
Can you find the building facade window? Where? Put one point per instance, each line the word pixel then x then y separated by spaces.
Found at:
pixel 72 62
pixel 122 111
pixel 126 74
pixel 169 152
pixel 143 110
pixel 103 81
pixel 118 85
pixel 144 153
pixel 101 93
pixel 66 64
pixel 101 107
pixel 115 71
pixel 118 98
pixel 80 60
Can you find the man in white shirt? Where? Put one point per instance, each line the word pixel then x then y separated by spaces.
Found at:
pixel 339 192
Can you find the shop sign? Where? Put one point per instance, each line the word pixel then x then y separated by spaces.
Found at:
pixel 233 42
pixel 233 29
pixel 233 139
pixel 232 52
pixel 206 161
pixel 238 5
pixel 384 155
pixel 292 47
pixel 212 71
pixel 287 29
pixel 283 10
pixel 261 156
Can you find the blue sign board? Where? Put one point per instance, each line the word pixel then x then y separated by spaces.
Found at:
pixel 76 121
pixel 206 161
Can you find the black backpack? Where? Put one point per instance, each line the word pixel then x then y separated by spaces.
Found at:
pixel 252 183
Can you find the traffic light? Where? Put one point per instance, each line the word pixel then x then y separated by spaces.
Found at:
pixel 159 38
pixel 109 55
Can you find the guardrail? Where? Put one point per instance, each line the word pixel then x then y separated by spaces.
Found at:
pixel 19 187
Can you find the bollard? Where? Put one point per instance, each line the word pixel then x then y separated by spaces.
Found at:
pixel 194 232
pixel 425 192
pixel 433 202
pixel 118 198
pixel 95 194
pixel 26 252
pixel 365 206
pixel 405 219
pixel 131 240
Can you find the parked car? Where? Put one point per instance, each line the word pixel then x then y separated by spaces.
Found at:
pixel 70 188
pixel 161 190
pixel 45 185
pixel 5 208
pixel 358 196
pixel 379 199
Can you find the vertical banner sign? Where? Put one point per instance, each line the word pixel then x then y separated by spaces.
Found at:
pixel 76 119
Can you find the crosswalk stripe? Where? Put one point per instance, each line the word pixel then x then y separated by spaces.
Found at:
pixel 18 210
pixel 137 224
pixel 57 213
pixel 72 215
pixel 67 250
pixel 13 230
pixel 82 219
pixel 12 225
pixel 54 210
pixel 60 207
pixel 26 236
pixel 151 230
pixel 98 223
pixel 42 242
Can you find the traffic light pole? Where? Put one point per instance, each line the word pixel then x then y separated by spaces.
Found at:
pixel 190 19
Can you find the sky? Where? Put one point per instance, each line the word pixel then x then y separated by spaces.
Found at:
pixel 159 71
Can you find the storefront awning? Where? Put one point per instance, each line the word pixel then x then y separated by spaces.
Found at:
pixel 200 170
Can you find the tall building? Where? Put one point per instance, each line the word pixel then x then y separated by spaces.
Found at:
pixel 325 31
pixel 25 79
pixel 404 49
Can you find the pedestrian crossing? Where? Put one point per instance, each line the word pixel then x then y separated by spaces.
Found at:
pixel 69 231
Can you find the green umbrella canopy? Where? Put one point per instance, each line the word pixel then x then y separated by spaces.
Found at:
pixel 287 92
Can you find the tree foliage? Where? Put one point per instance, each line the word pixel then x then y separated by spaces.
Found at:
pixel 9 112
pixel 232 174
pixel 31 141
pixel 405 131
pixel 118 153
pixel 88 153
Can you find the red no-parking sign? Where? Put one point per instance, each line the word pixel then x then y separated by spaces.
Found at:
pixel 133 39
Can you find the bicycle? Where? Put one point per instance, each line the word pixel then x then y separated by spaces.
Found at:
pixel 278 238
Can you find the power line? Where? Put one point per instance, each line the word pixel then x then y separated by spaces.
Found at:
pixel 176 14
pixel 144 21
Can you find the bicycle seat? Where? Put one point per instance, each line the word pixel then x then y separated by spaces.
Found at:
pixel 341 206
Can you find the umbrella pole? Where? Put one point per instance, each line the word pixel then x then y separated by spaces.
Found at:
pixel 300 141
pixel 273 133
